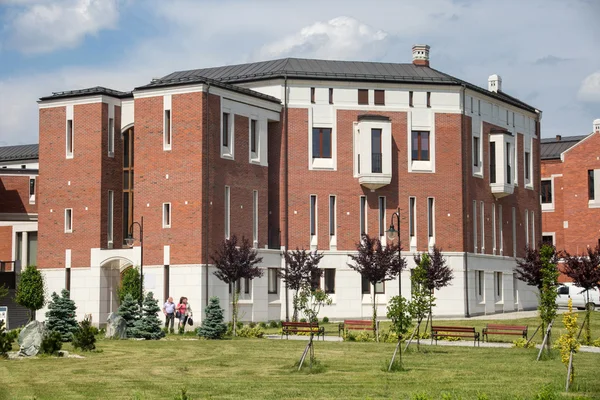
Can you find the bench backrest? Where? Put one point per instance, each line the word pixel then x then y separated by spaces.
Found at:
pixel 506 327
pixel 300 324
pixel 358 322
pixel 453 329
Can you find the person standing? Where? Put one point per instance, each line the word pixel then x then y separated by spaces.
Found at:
pixel 169 311
pixel 181 310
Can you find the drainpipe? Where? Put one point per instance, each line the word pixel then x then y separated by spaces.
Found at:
pixel 286 202
pixel 207 189
pixel 466 253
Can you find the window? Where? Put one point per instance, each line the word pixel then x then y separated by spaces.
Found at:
pixel 167 132
pixel 227 211
pixel 225 133
pixel 330 95
pixel 238 286
pixel 482 216
pixel 412 216
pixel 480 283
pixel 363 215
pixel 492 162
pixel 526 228
pixel 501 225
pixel 315 279
pixel 68 220
pixel 312 95
pixel 420 145
pixel 166 215
pixel 498 285
pixel 410 99
pixel 332 223
pixel 247 285
pixel 379 97
pixel 330 280
pixel 363 97
pixel 255 217
pixel 591 193
pixel 376 151
pixel 475 151
pixel 475 226
pixel 532 229
pixel 273 277
pixel 110 217
pixel 546 191
pixel 313 215
pixel 548 239
pixel 471 105
pixel 428 99
pixel 527 167
pixel 253 136
pixel 366 285
pixel 514 231
pixel 508 167
pixel 380 288
pixel 430 217
pixel 31 190
pixel 507 117
pixel 69 138
pixel 321 143
pixel 382 216
pixel 493 228
pixel 111 137
pixel 127 181
pixel 479 107
pixel 515 288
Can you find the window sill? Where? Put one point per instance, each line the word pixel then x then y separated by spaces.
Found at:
pixel 478 175
pixel 547 207
pixel 593 204
pixel 227 155
pixel 421 166
pixel 322 164
pixel 529 186
pixel 167 148
pixel 69 157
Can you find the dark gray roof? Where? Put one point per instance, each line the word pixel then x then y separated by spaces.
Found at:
pixel 87 92
pixel 300 68
pixel 552 148
pixel 20 152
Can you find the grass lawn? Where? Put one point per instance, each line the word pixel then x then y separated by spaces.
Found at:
pixel 262 368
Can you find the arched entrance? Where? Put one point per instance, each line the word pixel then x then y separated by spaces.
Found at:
pixel 110 279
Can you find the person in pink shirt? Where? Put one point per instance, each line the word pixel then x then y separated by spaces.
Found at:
pixel 182 312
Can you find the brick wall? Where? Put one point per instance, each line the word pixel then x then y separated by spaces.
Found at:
pixel 6 242
pixel 14 195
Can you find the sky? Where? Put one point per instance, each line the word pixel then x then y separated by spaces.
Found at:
pixel 546 51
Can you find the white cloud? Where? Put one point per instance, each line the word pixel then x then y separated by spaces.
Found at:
pixel 42 26
pixel 590 88
pixel 339 38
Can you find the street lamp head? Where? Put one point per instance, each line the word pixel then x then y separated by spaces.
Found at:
pixel 392 233
pixel 129 240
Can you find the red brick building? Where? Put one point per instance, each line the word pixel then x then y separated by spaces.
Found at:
pixel 289 153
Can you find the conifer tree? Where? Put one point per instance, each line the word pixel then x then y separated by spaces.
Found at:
pixel 60 316
pixel 149 326
pixel 212 325
pixel 130 312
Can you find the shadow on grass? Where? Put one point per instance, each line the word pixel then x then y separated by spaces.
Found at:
pixel 317 367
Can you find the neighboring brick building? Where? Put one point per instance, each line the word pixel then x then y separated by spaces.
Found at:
pixel 570 191
pixel 289 153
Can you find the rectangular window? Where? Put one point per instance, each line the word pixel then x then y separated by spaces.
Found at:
pixel 498 284
pixel 493 228
pixel 332 222
pixel 420 145
pixel 532 229
pixel 546 191
pixel 330 280
pixel 363 215
pixel 253 136
pixel 273 280
pixel 69 138
pixel 479 107
pixel 508 167
pixel 321 143
pixel 472 105
pixel 492 162
pixel 507 121
pixel 382 216
pixel 111 137
pixel 312 95
pixel 31 190
pixel 330 95
pixel 501 226
pixel 591 192
pixel 167 132
pixel 514 231
pixel 247 285
pixel 410 99
pixel 527 166
pixel 315 280
pixel 166 215
pixel 480 283
pixel 313 215
pixel 255 216
pixel 430 217
pixel 225 133
pixel 376 152
pixel 475 226
pixel 366 286
pixel 380 288
pixel 475 151
pixel 379 97
pixel 515 288
pixel 110 217
pixel 412 216
pixel 68 220
pixel 428 99
pixel 482 217
pixel 526 228
pixel 227 211
pixel 363 97
pixel 548 239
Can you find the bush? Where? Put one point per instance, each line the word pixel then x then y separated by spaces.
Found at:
pixel 130 284
pixel 325 320
pixel 248 332
pixel 31 290
pixel 302 319
pixel 60 316
pixel 130 312
pixel 51 343
pixel 596 343
pixel 252 324
pixel 388 337
pixel 239 324
pixel 149 326
pixel 212 326
pixel 362 336
pixel 6 340
pixel 522 344
pixel 263 325
pixel 84 338
pixel 273 324
pixel 547 393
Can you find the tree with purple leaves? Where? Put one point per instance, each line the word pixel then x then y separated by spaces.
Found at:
pixel 303 268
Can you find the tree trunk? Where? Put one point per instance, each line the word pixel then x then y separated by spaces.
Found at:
pixel 588 311
pixel 295 304
pixel 375 314
pixel 234 309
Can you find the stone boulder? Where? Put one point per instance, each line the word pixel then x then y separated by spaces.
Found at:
pixel 116 327
pixel 30 338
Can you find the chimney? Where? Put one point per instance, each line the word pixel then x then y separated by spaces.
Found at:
pixel 420 53
pixel 495 83
pixel 597 125
pixel 558 138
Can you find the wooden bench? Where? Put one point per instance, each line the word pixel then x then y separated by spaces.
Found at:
pixel 454 331
pixel 356 325
pixel 496 329
pixel 288 328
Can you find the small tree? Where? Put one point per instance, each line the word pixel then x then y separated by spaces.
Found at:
pixel 567 342
pixel 212 325
pixel 398 312
pixel 311 301
pixel 376 264
pixel 438 273
pixel 130 312
pixel 130 284
pixel 234 263
pixel 60 316
pixel 585 273
pixel 421 297
pixel 148 326
pixel 6 340
pixel 31 290
pixel 303 267
pixel 85 338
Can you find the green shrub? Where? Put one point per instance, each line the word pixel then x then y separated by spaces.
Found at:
pixel 302 319
pixel 239 324
pixel 596 343
pixel 325 320
pixel 183 395
pixel 6 340
pixel 51 343
pixel 212 326
pixel 421 396
pixel 84 338
pixel 482 396
pixel 263 325
pixel 252 324
pixel 130 284
pixel 522 344
pixel 60 316
pixel 547 393
pixel 388 337
pixel 249 332
pixel 273 324
pixel 362 336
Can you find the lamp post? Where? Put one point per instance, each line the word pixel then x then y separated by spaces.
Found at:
pixel 392 234
pixel 129 241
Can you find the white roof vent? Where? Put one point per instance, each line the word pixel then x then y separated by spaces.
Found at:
pixel 495 83
pixel 597 125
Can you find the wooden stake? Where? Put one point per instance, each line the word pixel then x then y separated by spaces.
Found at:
pixel 569 371
pixel 545 339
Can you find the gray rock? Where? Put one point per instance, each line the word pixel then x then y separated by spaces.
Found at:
pixel 30 338
pixel 116 327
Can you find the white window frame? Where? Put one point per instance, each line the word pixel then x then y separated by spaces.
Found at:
pixel 419 166
pixel 475 247
pixel 167 133
pixel 498 286
pixel 111 137
pixel 322 163
pixel 255 218
pixel 332 222
pixel 227 204
pixel 167 211
pixel 477 170
pixel 313 216
pixel 480 285
pixel 272 280
pixel 515 289
pixel 596 202
pixel 532 214
pixel 68 220
pixel 254 155
pixel 553 234
pixel 363 212
pixel 501 225
pixel 412 219
pixel 381 200
pixel 482 216
pixel 324 285
pixel 548 207
pixel 526 227
pixel 227 152
pixel 494 236
pixel 527 147
pixel 70 138
pixel 32 195
pixel 514 231
pixel 110 215
pixel 431 221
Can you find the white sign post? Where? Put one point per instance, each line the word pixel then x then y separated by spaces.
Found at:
pixel 4 316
